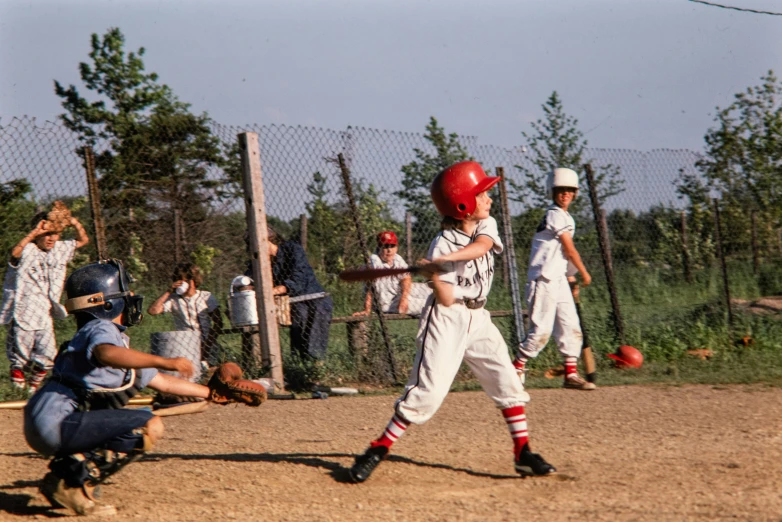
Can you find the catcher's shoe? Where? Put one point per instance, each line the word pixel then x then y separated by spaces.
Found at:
pixel 531 464
pixel 575 382
pixel 80 500
pixel 366 463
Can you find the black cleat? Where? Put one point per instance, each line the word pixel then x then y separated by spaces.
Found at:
pixel 531 464
pixel 366 463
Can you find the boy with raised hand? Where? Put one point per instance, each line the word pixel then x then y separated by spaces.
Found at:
pixel 31 297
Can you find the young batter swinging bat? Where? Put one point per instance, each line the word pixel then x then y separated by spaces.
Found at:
pixel 586 347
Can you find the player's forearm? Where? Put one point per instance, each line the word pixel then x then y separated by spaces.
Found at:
pixel 157 307
pixel 119 357
pixel 443 292
pixel 575 258
pixel 16 251
pixel 474 250
pixel 81 235
pixel 169 384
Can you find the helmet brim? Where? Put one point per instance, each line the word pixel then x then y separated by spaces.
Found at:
pixel 486 184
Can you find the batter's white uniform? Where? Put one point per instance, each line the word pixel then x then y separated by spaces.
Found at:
pixel 463 331
pixel 389 289
pixel 549 300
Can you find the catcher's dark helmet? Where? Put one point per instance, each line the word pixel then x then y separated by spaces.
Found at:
pixel 102 290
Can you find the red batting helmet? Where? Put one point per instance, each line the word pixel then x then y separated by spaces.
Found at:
pixel 627 357
pixel 454 189
pixel 387 238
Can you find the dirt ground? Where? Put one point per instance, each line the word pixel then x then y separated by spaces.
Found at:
pixel 623 453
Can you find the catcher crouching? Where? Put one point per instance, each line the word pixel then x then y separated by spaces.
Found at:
pixel 77 417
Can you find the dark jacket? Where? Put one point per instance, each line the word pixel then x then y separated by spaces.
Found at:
pixel 291 268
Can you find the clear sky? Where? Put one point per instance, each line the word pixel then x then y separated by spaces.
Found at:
pixel 636 74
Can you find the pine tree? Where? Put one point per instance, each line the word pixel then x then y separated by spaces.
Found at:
pixel 557 142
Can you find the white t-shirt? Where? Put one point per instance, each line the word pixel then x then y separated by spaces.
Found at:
pixel 546 258
pixel 470 279
pixel 40 277
pixel 389 289
pixel 192 313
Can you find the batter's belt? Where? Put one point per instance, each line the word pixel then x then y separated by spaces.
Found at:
pixel 472 304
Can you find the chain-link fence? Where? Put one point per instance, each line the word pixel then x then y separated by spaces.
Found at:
pixel 174 216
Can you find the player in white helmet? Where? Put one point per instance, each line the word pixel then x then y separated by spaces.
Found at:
pixel 548 296
pixel 455 326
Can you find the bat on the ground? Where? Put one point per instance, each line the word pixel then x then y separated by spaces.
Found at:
pixel 586 348
pixel 355 275
pixel 19 405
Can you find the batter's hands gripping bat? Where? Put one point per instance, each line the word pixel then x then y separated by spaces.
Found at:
pixel 355 275
pixel 586 348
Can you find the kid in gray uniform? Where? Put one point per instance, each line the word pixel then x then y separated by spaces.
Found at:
pixel 76 417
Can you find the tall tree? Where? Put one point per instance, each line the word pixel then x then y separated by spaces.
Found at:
pixel 419 174
pixel 555 142
pixel 153 155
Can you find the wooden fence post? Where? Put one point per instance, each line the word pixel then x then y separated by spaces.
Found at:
pixel 363 244
pixel 303 231
pixel 721 254
pixel 255 201
pixel 94 194
pixel 755 249
pixel 685 248
pixel 605 252
pixel 409 237
pixel 177 236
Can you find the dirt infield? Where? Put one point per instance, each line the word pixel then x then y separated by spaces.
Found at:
pixel 624 453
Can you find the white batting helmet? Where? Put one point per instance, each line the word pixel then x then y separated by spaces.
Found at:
pixel 561 177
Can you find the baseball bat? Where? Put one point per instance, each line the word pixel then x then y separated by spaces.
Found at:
pixel 586 347
pixel 355 275
pixel 19 405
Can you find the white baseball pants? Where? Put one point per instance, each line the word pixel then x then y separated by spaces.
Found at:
pixel 551 311
pixel 446 336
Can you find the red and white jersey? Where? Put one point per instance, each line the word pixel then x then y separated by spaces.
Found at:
pixel 470 279
pixel 546 257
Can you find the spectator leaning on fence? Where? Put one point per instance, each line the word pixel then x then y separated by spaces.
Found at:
pixel 311 307
pixel 31 298
pixel 193 309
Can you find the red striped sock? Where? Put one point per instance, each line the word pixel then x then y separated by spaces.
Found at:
pixel 519 363
pixel 571 366
pixel 395 429
pixel 517 425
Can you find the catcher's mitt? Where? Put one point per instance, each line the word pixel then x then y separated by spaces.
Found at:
pixel 227 386
pixel 59 217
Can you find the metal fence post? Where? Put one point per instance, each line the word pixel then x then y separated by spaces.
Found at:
pixel 605 252
pixel 510 254
pixel 255 201
pixel 409 236
pixel 363 244
pixel 685 248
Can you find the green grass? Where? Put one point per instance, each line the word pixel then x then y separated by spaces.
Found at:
pixel 663 317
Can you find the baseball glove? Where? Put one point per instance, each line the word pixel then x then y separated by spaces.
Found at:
pixel 227 386
pixel 59 217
